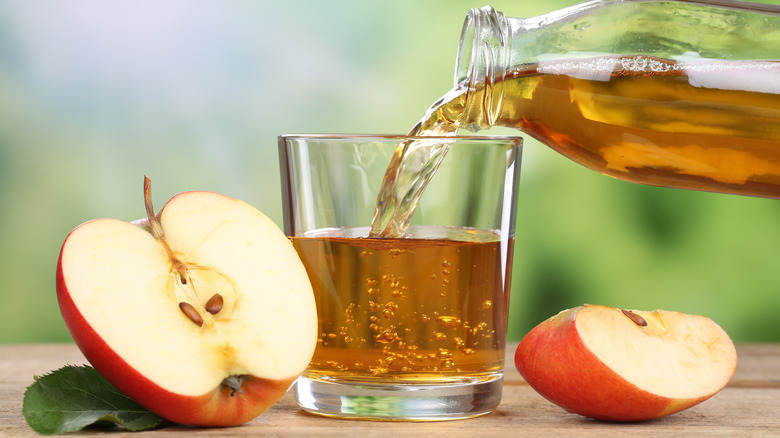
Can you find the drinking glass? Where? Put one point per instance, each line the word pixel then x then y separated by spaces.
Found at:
pixel 413 326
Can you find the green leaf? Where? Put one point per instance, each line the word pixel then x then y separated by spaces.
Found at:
pixel 74 397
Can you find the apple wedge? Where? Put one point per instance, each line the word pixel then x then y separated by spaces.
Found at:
pixel 203 314
pixel 626 365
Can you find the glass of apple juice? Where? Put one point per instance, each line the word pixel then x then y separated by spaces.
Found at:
pixel 412 287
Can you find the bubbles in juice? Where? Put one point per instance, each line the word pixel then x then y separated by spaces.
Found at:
pixel 415 310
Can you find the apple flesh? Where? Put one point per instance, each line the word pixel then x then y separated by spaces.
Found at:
pixel 626 365
pixel 203 314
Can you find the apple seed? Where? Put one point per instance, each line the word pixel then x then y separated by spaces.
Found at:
pixel 638 320
pixel 189 310
pixel 214 304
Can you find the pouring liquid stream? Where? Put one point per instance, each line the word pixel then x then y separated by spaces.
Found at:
pixel 700 124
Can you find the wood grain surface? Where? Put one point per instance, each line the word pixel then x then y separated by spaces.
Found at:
pixel 748 406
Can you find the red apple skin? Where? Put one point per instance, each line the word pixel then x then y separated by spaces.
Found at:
pixel 217 408
pixel 554 361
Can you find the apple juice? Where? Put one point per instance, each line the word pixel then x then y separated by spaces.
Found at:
pixel 428 308
pixel 699 124
pixel 706 125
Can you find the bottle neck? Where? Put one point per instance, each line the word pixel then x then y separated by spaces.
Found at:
pixel 491 44
pixel 483 60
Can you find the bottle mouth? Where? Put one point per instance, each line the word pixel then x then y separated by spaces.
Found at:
pixel 480 26
pixel 466 48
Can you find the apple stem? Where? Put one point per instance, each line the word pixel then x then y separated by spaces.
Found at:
pixel 180 268
pixel 157 230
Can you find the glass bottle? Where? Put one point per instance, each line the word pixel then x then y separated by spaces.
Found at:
pixel 680 94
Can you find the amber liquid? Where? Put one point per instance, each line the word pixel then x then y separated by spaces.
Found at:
pixel 701 125
pixel 429 308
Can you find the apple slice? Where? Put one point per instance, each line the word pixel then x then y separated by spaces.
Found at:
pixel 204 314
pixel 626 365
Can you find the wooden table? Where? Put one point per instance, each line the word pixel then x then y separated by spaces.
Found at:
pixel 749 406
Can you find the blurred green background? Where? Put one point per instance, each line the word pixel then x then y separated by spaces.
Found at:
pixel 93 95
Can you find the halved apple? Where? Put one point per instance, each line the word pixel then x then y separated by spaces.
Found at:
pixel 626 365
pixel 203 314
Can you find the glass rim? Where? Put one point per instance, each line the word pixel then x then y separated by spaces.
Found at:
pixel 403 137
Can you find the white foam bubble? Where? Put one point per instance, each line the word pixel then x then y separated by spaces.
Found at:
pixel 758 76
